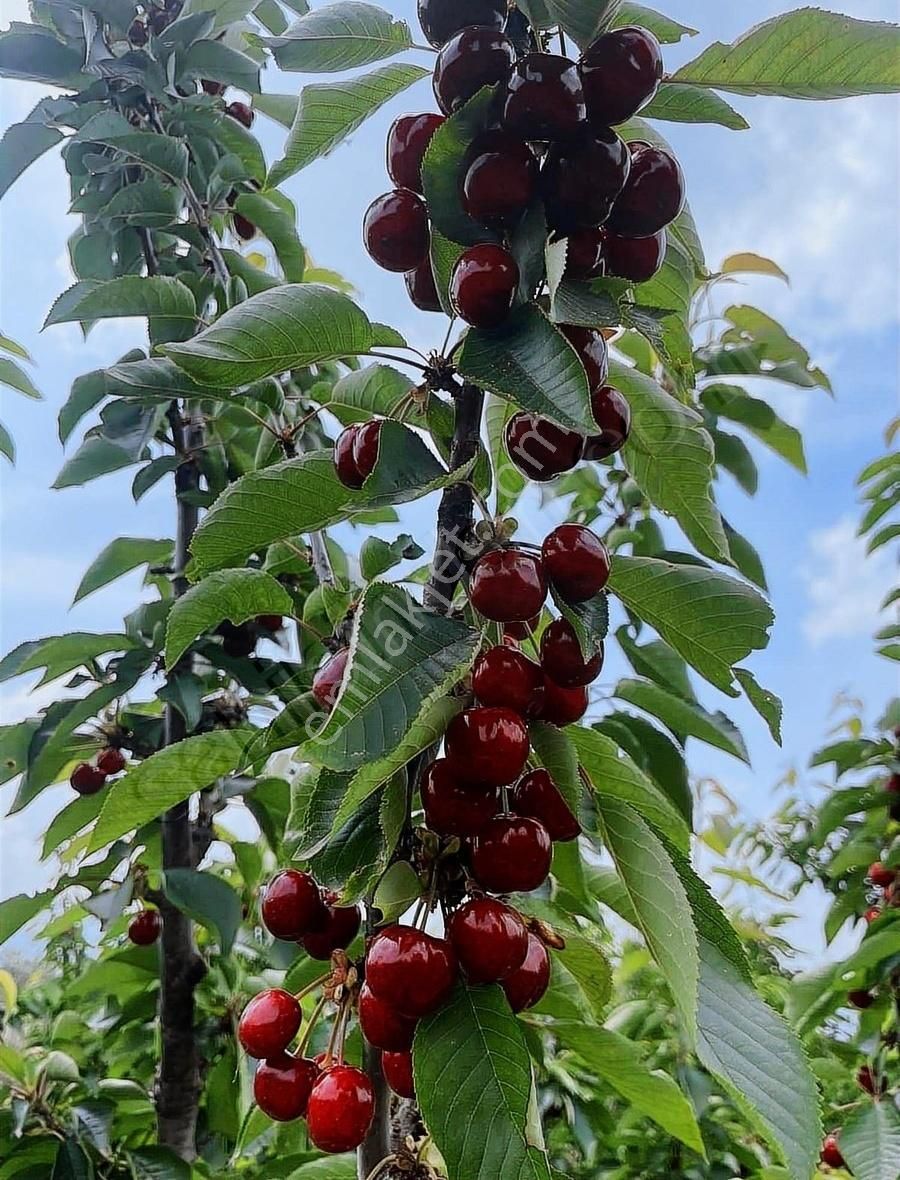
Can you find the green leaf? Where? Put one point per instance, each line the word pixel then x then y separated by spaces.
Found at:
pixel 60 654
pixel 220 63
pixel 666 30
pixel 758 417
pixel 803 54
pixel 376 556
pixel 583 20
pixel 162 153
pixel 746 263
pixel 442 168
pixel 654 752
pixel 275 216
pixel 209 900
pixel 472 1056
pixel 16 911
pixel 766 703
pixel 31 52
pixel 71 1163
pixel 870 1141
pixel 330 111
pixel 16 378
pixel 236 595
pixel 327 1168
pixel 373 390
pixel 25 142
pixel 684 718
pixel 97 456
pixel 710 619
pixel 7 446
pixel 158 1163
pixel 118 558
pixel 692 104
pixel 339 37
pixel 166 302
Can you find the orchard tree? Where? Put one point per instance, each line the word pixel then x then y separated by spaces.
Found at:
pixel 433 897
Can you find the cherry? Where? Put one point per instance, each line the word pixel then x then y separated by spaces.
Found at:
pixel 398 1070
pixel 408 141
pixel 505 678
pixel 269 1023
pixel 576 561
pixel 243 226
pixel 892 786
pixel 878 874
pixel 483 285
pixel 87 779
pixel 584 254
pixel 511 854
pixel 111 761
pixel 544 99
pixel 612 413
pixel 540 449
pixel 528 983
pixel 282 1086
pixel 451 808
pixel 620 72
pixel 488 747
pixel 212 88
pixel 238 642
pixel 872 914
pixel 538 797
pixel 356 453
pixel 382 1026
pixel 635 259
pixel 475 57
pixel 145 928
pixel 562 706
pixel 340 1110
pixel 441 19
pixel 522 629
pixel 411 971
pixel 500 180
pixel 292 905
pixel 341 927
pixel 490 939
pixel 329 677
pixel 562 658
pixel 582 178
pixel 270 622
pixel 861 999
pixel 395 230
pixel 137 32
pixel 242 112
pixel 831 1152
pixel 590 344
pixel 422 288
pixel 867 1081
pixel 508 585
pixel 653 196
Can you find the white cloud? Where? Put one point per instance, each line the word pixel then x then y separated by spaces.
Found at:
pixel 844 586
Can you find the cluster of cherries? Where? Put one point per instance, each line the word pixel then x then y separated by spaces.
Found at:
pixel 90 777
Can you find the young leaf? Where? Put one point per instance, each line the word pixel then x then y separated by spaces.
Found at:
pixel 340 37
pixel 766 703
pixel 236 595
pixel 746 263
pixel 118 558
pixel 209 900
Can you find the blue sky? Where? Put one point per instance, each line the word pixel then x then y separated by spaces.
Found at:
pixel 813 185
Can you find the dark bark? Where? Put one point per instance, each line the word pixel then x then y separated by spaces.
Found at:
pixel 377 1146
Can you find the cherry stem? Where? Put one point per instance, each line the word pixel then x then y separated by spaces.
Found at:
pixel 398 360
pixel 386 1163
pixel 311 987
pixel 310 1028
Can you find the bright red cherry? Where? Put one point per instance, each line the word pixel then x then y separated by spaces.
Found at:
pixel 584 254
pixel 382 1026
pixel 878 874
pixel 537 796
pixel 508 585
pixel 411 971
pixel 511 854
pixel 653 196
pixel 527 985
pixel 562 658
pixel 340 1109
pixel 395 230
pixel 576 561
pixel 500 179
pixel 490 939
pixel 488 747
pixel 441 19
pixel 483 285
pixel 635 259
pixel 408 141
pixel 451 808
pixel 861 999
pixel 612 413
pixel 872 914
pixel 505 678
pixel 475 57
pixel 582 178
pixel 398 1070
pixel 269 1023
pixel 544 99
pixel 87 779
pixel 241 112
pixel 111 761
pixel 620 72
pixel 329 677
pixel 831 1152
pixel 341 927
pixel 422 288
pixel 562 706
pixel 590 344
pixel 867 1081
pixel 540 449
pixel 145 928
pixel 292 905
pixel 282 1086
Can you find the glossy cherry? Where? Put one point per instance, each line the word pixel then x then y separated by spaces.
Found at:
pixel 340 1109
pixel 506 678
pixel 861 999
pixel 145 928
pixel 544 98
pixel 541 449
pixel 879 874
pixel 508 585
pixel 411 971
pixel 452 808
pixel 653 196
pixel 590 344
pixel 867 1080
pixel 612 413
pixel 562 658
pixel 537 796
pixel 395 230
pixel 398 1070
pixel 582 177
pixel 620 72
pixel 635 259
pixel 584 254
pixel 329 677
pixel 111 761
pixel 407 143
pixel 488 747
pixel 341 927
pixel 441 19
pixel 240 111
pixel 576 561
pixel 562 706
pixel 521 629
pixel 87 779
pixel 474 57
pixel 382 1026
pixel 292 905
pixel 831 1152
pixel 490 939
pixel 500 179
pixel 421 287
pixel 356 453
pixel 511 854
pixel 269 1023
pixel 282 1086
pixel 483 285
pixel 528 983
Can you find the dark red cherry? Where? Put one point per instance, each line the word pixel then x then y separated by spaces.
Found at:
pixel 382 1026
pixel 137 33
pixel 87 779
pixel 395 230
pixel 292 905
pixel 540 449
pixel 282 1086
pixel 635 259
pixel 411 971
pixel 861 999
pixel 111 761
pixel 878 874
pixel 582 178
pixel 451 808
pixel 527 985
pixel 241 112
pixel 544 99
pixel 562 706
pixel 422 289
pixel 584 254
pixel 238 642
pixel 867 1080
pixel 653 196
pixel 330 676
pixel 269 1023
pixel 145 928
pixel 483 285
pixel 243 227
pixel 271 622
pixel 831 1152
pixel 562 659
pixel 340 1109
pixel 408 141
pixel 620 72
pixel 441 19
pixel 505 678
pixel 537 796
pixel 508 585
pixel 576 561
pixel 475 57
pixel 612 413
pixel 522 629
pixel 340 929
pixel 511 854
pixel 490 939
pixel 365 447
pixel 590 344
pixel 500 180
pixel 488 747
pixel 212 88
pixel 398 1070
